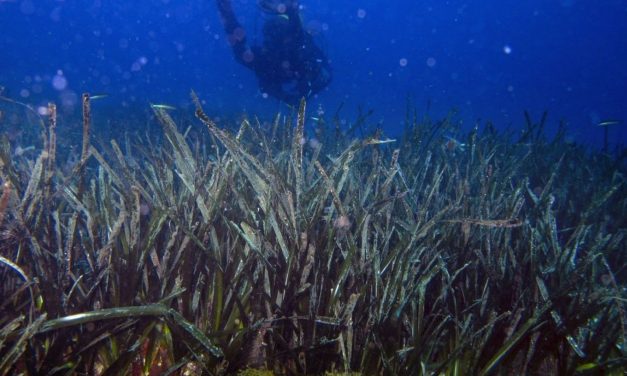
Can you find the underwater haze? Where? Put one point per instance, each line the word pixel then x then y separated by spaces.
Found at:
pixel 490 60
pixel 450 198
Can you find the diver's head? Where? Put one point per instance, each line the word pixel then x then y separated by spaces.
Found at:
pixel 275 7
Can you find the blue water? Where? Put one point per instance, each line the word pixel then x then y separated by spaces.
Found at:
pixel 490 59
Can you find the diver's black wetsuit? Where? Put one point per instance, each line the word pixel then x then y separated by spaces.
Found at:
pixel 288 65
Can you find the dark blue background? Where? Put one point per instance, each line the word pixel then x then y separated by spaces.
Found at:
pixel 567 56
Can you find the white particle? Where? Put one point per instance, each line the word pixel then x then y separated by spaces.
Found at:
pixel 42 110
pixel 27 7
pixel 59 81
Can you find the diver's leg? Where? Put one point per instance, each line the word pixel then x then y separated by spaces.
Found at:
pixel 228 16
pixel 235 33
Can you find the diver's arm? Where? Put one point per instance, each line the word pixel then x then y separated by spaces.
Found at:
pixel 323 72
pixel 291 11
pixel 228 16
pixel 235 33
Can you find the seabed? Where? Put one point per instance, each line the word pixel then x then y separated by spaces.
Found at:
pixel 303 249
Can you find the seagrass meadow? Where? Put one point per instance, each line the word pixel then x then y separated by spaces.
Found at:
pixel 263 250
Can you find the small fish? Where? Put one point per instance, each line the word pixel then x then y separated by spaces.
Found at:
pixel 98 96
pixel 374 141
pixel 607 123
pixel 163 106
pixel 452 144
pixel 19 151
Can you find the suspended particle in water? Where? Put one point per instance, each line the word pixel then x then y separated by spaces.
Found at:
pixel 606 279
pixel 42 110
pixel 402 62
pixel 507 49
pixel 567 3
pixel 361 13
pixel 59 81
pixel 27 7
pixel 342 223
pixel 431 62
pixel 314 144
pixel 320 111
pixel 248 56
pixel 144 209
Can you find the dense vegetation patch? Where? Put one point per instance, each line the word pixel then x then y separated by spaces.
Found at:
pixel 298 249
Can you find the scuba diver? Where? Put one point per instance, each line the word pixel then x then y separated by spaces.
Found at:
pixel 288 64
